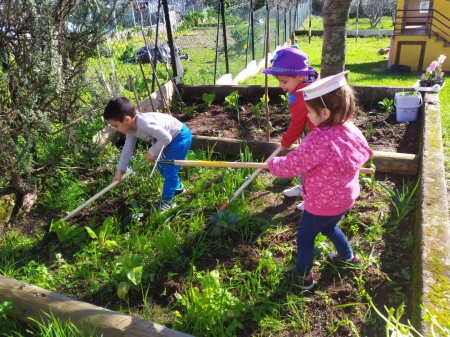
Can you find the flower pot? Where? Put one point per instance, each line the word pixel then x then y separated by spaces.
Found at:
pixel 407 105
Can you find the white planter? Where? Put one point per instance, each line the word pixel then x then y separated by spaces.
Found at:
pixel 407 106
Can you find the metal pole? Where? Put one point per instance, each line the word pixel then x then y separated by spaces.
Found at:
pixel 266 78
pixel 156 43
pixel 357 17
pixel 224 29
pixel 379 22
pixel 253 29
pixel 285 25
pixel 248 33
pixel 169 39
pixel 277 36
pixel 132 12
pixel 217 41
pixel 310 19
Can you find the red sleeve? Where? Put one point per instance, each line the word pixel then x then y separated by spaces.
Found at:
pixel 297 123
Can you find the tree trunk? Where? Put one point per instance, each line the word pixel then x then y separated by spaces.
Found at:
pixel 335 19
pixel 29 195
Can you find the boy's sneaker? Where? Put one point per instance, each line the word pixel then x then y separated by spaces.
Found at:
pixel 162 205
pixel 305 283
pixel 338 261
pixel 294 191
pixel 301 206
pixel 180 191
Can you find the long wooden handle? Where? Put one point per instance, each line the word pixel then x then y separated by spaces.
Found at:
pixel 249 180
pixel 234 164
pixel 95 197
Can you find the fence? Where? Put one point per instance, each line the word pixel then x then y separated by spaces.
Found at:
pixel 211 41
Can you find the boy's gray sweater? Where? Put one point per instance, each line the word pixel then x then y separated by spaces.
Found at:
pixel 157 128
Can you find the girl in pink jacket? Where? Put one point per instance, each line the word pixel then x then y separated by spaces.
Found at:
pixel 330 158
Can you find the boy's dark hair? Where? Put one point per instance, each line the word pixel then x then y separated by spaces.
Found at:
pixel 341 102
pixel 119 107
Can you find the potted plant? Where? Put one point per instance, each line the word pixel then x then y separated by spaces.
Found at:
pixel 434 74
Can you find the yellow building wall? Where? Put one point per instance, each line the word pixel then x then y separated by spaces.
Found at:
pixel 410 53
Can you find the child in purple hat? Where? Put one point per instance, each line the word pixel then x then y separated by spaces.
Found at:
pixel 291 68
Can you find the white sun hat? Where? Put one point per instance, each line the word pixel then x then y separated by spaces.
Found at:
pixel 324 86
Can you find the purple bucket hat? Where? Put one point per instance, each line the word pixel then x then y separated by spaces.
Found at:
pixel 290 62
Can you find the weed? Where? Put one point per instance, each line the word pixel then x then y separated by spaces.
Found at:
pixel 215 309
pixel 365 180
pixel 223 220
pixel 130 264
pixel 165 243
pixel 402 201
pixel 104 233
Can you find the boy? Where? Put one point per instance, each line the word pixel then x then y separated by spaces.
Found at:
pixel 166 134
pixel 290 68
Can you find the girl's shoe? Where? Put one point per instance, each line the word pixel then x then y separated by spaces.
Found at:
pixel 301 206
pixel 338 261
pixel 294 191
pixel 305 283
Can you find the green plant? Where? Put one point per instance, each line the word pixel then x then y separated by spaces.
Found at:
pixel 165 243
pixel 387 104
pixel 208 99
pixel 215 309
pixel 232 103
pixel 103 234
pixel 223 220
pixel 64 231
pixel 408 93
pixel 285 100
pixel 368 180
pixel 130 264
pixel 190 110
pixel 402 201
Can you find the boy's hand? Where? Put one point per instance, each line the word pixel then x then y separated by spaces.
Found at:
pixel 118 176
pixel 149 157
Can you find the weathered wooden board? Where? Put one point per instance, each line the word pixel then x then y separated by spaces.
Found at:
pixel 32 302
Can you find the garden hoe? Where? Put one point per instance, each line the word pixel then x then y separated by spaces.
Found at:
pixel 234 164
pixel 106 189
pixel 248 181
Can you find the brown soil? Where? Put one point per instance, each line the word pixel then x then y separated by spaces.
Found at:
pixel 381 129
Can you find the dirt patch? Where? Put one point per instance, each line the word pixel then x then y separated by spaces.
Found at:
pixel 381 129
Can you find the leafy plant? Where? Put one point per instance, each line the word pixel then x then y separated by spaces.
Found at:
pixel 387 104
pixel 190 110
pixel 208 99
pixel 64 231
pixel 105 231
pixel 130 264
pixel 215 309
pixel 285 100
pixel 232 103
pixel 368 180
pixel 165 243
pixel 223 220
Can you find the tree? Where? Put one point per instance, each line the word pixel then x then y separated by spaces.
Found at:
pixel 44 47
pixel 373 9
pixel 335 20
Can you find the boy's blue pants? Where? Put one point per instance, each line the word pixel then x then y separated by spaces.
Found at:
pixel 177 150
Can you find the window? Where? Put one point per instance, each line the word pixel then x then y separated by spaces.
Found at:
pixel 424 6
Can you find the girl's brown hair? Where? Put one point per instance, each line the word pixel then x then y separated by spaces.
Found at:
pixel 341 102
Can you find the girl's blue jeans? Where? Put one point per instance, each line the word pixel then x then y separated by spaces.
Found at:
pixel 176 150
pixel 310 226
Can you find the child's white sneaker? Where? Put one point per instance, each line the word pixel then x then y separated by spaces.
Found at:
pixel 301 206
pixel 294 191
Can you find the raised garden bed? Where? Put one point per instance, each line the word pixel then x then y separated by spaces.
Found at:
pixel 333 307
